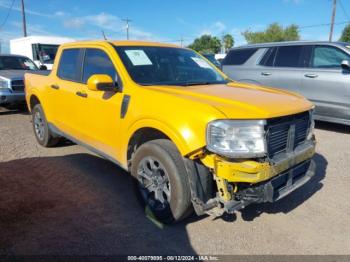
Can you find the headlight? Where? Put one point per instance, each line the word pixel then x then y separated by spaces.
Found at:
pixel 4 85
pixel 311 130
pixel 239 139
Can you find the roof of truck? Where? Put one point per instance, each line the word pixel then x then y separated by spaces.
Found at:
pixel 290 43
pixel 122 43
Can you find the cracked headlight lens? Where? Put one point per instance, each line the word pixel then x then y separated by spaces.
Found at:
pixel 311 130
pixel 237 138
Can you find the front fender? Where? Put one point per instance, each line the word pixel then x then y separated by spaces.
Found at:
pixel 187 138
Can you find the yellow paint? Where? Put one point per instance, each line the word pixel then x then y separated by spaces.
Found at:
pixel 181 113
pixel 223 190
pixel 249 171
pixel 96 80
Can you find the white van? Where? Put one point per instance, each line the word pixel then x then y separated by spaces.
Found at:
pixel 41 49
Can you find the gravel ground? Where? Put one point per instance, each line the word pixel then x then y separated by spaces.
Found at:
pixel 66 200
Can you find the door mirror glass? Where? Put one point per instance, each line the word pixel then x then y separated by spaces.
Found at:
pixel 345 64
pixel 101 82
pixel 43 67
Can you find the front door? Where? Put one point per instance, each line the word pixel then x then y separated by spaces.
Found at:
pixel 98 114
pixel 326 84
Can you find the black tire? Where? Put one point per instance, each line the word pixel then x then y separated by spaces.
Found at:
pixel 42 132
pixel 166 154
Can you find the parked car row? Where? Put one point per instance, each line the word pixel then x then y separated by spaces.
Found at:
pixel 320 71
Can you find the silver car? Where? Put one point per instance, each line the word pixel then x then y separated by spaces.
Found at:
pixel 318 70
pixel 12 70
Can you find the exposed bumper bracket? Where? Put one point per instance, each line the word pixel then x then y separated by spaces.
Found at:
pixel 274 189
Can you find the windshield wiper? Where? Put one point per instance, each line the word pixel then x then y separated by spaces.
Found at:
pixel 197 83
pixel 202 83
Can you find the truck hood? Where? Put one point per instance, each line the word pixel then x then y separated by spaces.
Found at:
pixel 13 74
pixel 242 101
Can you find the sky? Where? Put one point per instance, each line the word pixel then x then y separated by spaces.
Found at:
pixel 168 21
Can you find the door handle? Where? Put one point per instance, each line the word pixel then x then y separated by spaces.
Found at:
pixel 311 75
pixel 265 73
pixel 55 87
pixel 81 94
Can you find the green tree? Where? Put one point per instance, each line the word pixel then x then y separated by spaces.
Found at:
pixel 345 36
pixel 228 42
pixel 274 33
pixel 206 44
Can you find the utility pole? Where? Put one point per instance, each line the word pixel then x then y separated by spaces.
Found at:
pixel 127 20
pixel 332 20
pixel 223 43
pixel 24 20
pixel 181 41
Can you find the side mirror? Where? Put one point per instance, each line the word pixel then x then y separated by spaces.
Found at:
pixel 43 67
pixel 345 64
pixel 101 83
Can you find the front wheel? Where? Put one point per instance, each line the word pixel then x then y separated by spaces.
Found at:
pixel 161 180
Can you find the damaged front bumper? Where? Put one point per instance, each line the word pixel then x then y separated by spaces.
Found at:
pixel 244 182
pixel 273 189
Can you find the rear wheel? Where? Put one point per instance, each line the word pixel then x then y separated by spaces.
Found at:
pixel 41 129
pixel 161 180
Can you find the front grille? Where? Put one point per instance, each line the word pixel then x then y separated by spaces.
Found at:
pixel 17 85
pixel 286 133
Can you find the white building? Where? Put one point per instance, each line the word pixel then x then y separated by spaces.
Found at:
pixel 41 49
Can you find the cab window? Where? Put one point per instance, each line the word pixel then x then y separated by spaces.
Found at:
pixel 328 57
pixel 69 67
pixel 97 61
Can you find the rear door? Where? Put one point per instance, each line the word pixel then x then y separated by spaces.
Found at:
pixel 282 67
pixel 326 84
pixel 63 90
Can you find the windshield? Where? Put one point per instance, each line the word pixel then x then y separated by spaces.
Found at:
pixel 212 59
pixel 16 63
pixel 150 65
pixel 347 45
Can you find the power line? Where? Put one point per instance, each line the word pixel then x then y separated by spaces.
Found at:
pixel 7 15
pixel 324 24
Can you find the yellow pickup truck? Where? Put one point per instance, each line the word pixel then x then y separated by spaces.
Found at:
pixel 192 138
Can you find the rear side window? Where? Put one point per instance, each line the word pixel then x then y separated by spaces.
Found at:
pixel 70 65
pixel 97 62
pixel 239 56
pixel 288 56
